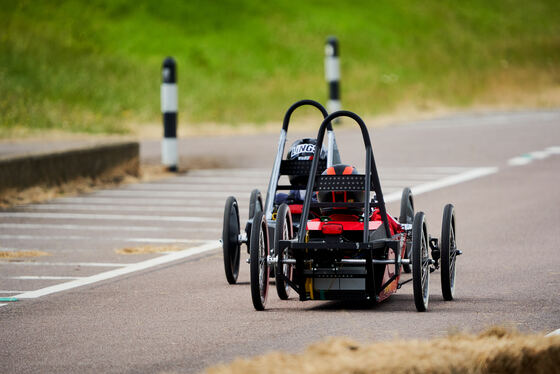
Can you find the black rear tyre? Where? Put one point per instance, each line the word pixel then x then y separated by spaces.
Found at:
pixel 420 263
pixel 283 231
pixel 259 249
pixel 407 216
pixel 255 203
pixel 448 248
pixel 407 207
pixel 230 240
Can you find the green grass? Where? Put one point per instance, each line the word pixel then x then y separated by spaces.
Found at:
pixel 94 66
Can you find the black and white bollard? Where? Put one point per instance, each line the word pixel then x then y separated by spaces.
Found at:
pixel 332 74
pixel 169 151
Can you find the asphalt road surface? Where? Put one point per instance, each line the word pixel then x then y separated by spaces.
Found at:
pixel 86 308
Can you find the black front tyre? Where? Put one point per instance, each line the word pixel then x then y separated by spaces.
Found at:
pixel 420 263
pixel 255 205
pixel 448 248
pixel 283 231
pixel 407 216
pixel 230 240
pixel 259 251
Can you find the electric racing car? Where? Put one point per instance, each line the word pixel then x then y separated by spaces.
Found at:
pixel 331 254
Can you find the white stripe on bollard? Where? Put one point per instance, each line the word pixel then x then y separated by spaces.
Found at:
pixel 332 68
pixel 333 106
pixel 169 97
pixel 169 151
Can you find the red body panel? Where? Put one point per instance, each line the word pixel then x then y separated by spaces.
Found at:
pixel 317 225
pixel 351 223
pixel 296 208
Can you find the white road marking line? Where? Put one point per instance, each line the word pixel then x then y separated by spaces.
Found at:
pixel 396 178
pixel 87 227
pixel 407 182
pixel 122 201
pixel 555 332
pixel 43 277
pixel 74 249
pixel 518 161
pixel 229 172
pixel 539 155
pixel 222 187
pixel 3 304
pixel 194 181
pixel 174 256
pixel 78 237
pixel 444 182
pixel 131 208
pixel 419 173
pixel 6 291
pixel 454 179
pixel 165 240
pixel 429 169
pixel 167 194
pixel 81 264
pixel 527 158
pixel 499 119
pixel 117 217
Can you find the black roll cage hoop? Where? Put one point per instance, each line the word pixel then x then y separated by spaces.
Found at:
pixel 371 175
pixel 333 155
pixel 300 103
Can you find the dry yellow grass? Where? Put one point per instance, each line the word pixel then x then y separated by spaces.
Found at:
pixel 496 350
pixel 19 254
pixel 148 249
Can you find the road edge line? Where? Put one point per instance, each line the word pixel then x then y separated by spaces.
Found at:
pixel 555 332
pixel 444 182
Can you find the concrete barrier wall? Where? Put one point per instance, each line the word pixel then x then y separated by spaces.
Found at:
pixel 54 168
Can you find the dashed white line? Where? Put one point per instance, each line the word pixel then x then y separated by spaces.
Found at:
pixel 535 155
pixel 503 119
pixel 174 256
pixel 518 161
pixel 539 155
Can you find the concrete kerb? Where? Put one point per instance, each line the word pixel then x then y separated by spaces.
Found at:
pixel 55 168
